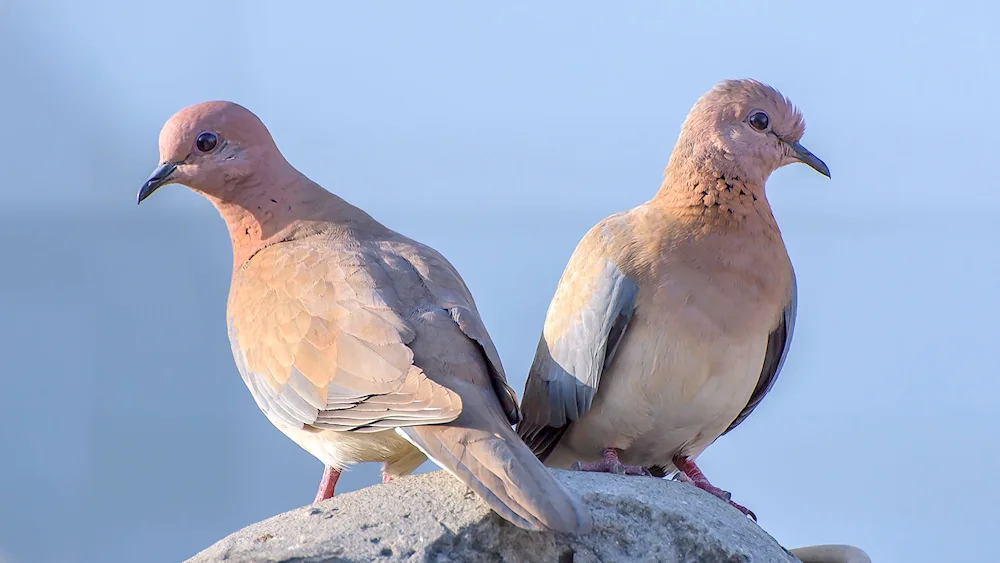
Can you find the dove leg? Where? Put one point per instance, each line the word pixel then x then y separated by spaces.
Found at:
pixel 694 475
pixel 610 464
pixel 327 484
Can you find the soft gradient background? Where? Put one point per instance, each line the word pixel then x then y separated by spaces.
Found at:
pixel 498 135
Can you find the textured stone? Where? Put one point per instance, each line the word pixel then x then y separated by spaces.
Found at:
pixel 432 517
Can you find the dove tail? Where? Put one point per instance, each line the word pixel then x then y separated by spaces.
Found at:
pixel 498 467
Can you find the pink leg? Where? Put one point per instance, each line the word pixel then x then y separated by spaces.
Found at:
pixel 327 484
pixel 610 464
pixel 385 475
pixel 687 466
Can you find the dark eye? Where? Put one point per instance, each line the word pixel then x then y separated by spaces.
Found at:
pixel 206 141
pixel 758 120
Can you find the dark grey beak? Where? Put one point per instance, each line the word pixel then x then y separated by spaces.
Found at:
pixel 158 178
pixel 803 155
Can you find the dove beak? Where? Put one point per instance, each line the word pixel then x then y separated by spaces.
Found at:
pixel 804 156
pixel 160 177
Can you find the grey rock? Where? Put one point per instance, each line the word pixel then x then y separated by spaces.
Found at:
pixel 434 518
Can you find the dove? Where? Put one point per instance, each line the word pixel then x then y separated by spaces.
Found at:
pixel 358 343
pixel 672 320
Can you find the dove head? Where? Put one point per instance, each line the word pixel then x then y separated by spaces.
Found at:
pixel 223 151
pixel 742 128
pixel 216 149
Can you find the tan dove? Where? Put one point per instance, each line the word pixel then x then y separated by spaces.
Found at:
pixel 358 343
pixel 672 320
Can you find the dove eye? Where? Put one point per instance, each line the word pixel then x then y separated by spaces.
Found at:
pixel 206 141
pixel 758 120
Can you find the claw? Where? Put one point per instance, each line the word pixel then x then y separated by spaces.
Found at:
pixel 693 475
pixel 746 511
pixel 611 464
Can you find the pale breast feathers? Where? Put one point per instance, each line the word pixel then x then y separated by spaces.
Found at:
pixel 778 343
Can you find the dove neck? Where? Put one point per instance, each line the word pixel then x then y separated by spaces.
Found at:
pixel 712 189
pixel 265 209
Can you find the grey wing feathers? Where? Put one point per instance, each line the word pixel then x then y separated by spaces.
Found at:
pixel 778 343
pixel 566 371
pixel 470 323
pixel 444 281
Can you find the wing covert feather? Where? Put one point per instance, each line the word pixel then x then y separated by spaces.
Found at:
pixel 319 342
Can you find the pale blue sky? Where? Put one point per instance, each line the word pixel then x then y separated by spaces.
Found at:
pixel 498 135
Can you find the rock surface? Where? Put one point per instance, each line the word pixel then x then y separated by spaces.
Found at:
pixel 433 517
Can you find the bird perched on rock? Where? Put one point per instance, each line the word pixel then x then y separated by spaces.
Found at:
pixel 672 320
pixel 356 342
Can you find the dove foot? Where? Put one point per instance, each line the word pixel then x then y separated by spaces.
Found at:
pixel 690 473
pixel 610 464
pixel 327 484
pixel 386 478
